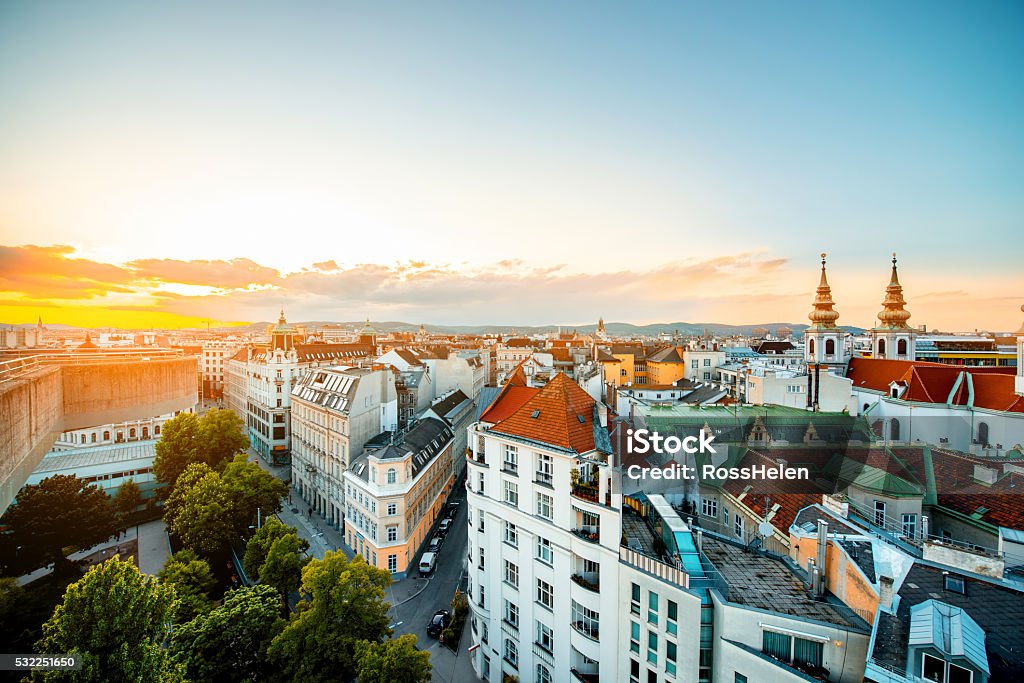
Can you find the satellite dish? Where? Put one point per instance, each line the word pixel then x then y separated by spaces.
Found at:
pixel 765 529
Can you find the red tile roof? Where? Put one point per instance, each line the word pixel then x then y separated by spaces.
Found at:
pixel 560 414
pixel 935 382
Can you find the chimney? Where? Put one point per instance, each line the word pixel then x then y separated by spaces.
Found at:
pixel 985 475
pixel 820 563
pixel 700 540
pixel 885 592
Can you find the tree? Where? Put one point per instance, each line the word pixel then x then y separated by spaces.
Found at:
pixel 259 545
pixel 395 659
pixel 230 642
pixel 283 567
pixel 114 617
pixel 343 603
pixel 213 439
pixel 199 512
pixel 192 580
pixel 177 449
pixel 221 437
pixel 127 500
pixel 57 512
pixel 249 487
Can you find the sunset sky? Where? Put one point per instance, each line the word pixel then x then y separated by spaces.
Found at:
pixel 527 163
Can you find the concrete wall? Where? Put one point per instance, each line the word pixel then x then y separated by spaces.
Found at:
pixel 35 409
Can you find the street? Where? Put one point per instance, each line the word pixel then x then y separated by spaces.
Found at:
pixel 415 598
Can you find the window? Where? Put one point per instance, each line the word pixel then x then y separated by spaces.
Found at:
pixel 511 493
pixel 544 468
pixel 545 594
pixel 673 617
pixel 738 526
pixel 652 607
pixel 392 509
pixel 543 675
pixel 392 475
pixel 543 550
pixel 652 647
pixel 901 347
pixel 511 458
pixel 725 517
pixel 880 513
pixel 777 645
pixel 634 671
pixel 545 637
pixel 544 505
pixel 634 606
pixel 480 486
pixel 956 584
pixel 392 563
pixel 894 429
pixel 512 613
pixel 830 347
pixel 392 534
pixel 511 653
pixel 511 534
pixel 634 637
pixel 670 657
pixel 790 649
pixel 709 507
pixel 695 363
pixel 585 620
pixel 881 348
pixel 707 362
pixel 808 652
pixel 910 525
pixel 481 557
pixel 511 574
pixel 740 678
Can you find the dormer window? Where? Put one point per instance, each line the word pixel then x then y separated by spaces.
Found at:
pixel 955 584
pixel 941 671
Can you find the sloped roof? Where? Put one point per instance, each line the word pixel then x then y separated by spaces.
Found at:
pixel 992 387
pixel 560 414
pixel 669 355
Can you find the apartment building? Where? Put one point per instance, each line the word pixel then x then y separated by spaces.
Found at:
pixel 395 491
pixel 335 412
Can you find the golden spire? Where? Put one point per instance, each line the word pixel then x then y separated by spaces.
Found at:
pixel 823 315
pixel 893 315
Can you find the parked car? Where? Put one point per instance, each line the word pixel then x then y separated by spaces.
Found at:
pixel 441 620
pixel 435 544
pixel 445 525
pixel 427 561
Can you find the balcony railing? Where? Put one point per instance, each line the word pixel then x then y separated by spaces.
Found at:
pixel 589 533
pixel 586 492
pixel 586 676
pixel 589 580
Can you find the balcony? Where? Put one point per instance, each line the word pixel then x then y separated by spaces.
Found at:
pixel 591 581
pixel 591 533
pixel 586 677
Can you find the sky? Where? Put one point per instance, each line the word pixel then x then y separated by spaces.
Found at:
pixel 163 164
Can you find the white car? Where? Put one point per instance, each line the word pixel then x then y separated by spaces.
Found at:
pixel 427 562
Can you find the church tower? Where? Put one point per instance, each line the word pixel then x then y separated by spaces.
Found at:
pixel 893 338
pixel 824 342
pixel 601 332
pixel 368 335
pixel 1018 382
pixel 282 336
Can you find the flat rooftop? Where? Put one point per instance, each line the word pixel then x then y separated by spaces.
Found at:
pixel 766 583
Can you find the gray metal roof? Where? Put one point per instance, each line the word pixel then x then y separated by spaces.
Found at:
pixel 948 629
pixel 97 455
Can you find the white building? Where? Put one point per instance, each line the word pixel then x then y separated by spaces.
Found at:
pixel 112 434
pixel 335 411
pixel 212 361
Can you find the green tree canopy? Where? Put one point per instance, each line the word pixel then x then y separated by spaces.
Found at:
pixel 283 567
pixel 199 512
pixel 343 603
pixel 259 545
pixel 58 512
pixel 214 439
pixel 207 510
pixel 115 618
pixel 230 642
pixel 193 582
pixel 392 660
pixel 249 487
pixel 127 499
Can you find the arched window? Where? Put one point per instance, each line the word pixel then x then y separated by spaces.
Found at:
pixel 830 347
pixel 94 437
pixel 810 346
pixel 392 475
pixel 106 436
pixel 894 429
pixel 901 347
pixel 983 433
pixel 131 433
pixel 156 430
pixel 145 432
pixel 881 348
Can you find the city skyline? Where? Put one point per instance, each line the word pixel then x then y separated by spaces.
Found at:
pixel 679 162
